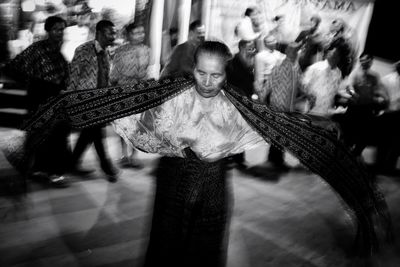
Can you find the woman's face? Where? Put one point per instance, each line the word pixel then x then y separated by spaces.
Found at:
pixel 209 74
pixel 136 35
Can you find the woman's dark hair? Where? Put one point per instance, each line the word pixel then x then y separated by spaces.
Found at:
pixel 51 21
pixel 213 48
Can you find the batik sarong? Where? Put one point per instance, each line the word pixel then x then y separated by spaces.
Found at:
pixel 190 215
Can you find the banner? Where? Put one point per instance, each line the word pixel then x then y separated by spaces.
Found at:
pixel 226 14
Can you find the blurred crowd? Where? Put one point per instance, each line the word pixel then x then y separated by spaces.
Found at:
pixel 319 73
pixel 281 85
pixel 316 73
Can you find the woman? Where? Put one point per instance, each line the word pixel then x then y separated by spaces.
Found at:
pixel 130 65
pixel 195 125
pixel 194 131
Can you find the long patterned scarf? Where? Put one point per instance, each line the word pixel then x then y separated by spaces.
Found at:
pixel 316 146
pixel 315 142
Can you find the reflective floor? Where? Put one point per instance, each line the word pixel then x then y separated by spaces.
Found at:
pixel 286 219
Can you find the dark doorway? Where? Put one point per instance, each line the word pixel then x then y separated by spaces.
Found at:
pixel 383 34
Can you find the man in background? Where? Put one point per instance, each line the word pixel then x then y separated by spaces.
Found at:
pixel 90 69
pixel 240 73
pixel 181 60
pixel 45 71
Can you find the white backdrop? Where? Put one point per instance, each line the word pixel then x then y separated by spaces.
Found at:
pixel 225 14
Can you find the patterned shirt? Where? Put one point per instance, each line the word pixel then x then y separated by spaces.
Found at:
pixel 130 64
pixel 85 67
pixel 282 85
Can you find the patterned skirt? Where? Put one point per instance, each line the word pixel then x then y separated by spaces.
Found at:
pixel 191 214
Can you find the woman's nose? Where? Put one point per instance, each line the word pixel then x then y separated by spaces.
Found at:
pixel 207 80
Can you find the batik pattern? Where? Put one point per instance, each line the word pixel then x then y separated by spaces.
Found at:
pixel 315 146
pixel 130 64
pixel 191 212
pixel 42 60
pixel 213 128
pixel 282 85
pixel 84 67
pixel 314 141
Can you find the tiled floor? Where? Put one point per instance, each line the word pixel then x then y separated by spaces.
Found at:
pixel 282 220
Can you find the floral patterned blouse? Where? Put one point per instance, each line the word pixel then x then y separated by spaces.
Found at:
pixel 212 127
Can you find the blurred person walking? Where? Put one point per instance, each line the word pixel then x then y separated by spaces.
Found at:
pixel 321 83
pixel 368 100
pixel 131 64
pixel 264 62
pixel 283 85
pixel 279 88
pixel 45 70
pixel 90 69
